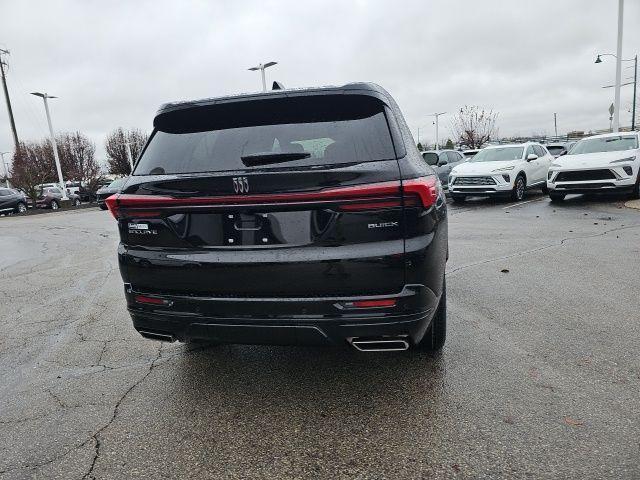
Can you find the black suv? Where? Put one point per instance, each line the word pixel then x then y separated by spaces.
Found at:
pixel 287 217
pixel 12 201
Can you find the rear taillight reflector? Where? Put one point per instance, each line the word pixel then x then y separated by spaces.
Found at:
pixel 387 302
pixel 427 189
pixel 151 300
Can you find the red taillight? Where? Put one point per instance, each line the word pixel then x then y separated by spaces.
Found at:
pixel 367 196
pixel 372 196
pixel 363 206
pixel 387 302
pixel 112 204
pixel 151 300
pixel 426 189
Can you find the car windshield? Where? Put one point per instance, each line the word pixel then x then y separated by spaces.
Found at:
pixel 605 144
pixel 498 154
pixel 116 183
pixel 287 132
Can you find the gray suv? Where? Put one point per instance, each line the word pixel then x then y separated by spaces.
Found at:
pixel 442 162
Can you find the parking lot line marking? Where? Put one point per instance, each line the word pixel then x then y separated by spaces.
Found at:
pixel 521 203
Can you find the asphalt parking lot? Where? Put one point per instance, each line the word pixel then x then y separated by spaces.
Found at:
pixel 539 378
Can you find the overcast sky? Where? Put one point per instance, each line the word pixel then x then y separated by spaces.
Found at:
pixel 112 63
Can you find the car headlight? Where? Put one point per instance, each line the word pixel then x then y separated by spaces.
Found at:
pixel 627 159
pixel 504 169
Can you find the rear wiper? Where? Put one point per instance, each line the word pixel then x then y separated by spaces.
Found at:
pixel 267 158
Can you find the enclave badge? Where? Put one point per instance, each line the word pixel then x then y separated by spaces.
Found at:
pixel 240 185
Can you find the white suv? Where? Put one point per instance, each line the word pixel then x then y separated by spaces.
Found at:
pixel 609 162
pixel 501 170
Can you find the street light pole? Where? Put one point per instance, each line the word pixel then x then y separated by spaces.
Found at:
pixel 45 97
pixel 635 88
pixel 555 124
pixel 618 85
pixel 436 115
pixel 262 67
pixel 616 102
pixel 5 166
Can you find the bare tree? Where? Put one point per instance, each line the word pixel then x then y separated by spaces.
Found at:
pixel 474 126
pixel 33 164
pixel 77 158
pixel 116 148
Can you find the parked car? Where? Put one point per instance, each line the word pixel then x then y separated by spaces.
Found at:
pixel 442 161
pixel 12 201
pixel 73 187
pixel 86 195
pixel 105 192
pixel 501 170
pixel 602 163
pixel 470 153
pixel 288 217
pixel 51 197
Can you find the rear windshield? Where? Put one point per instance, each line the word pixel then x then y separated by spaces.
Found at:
pixel 555 150
pixel 431 158
pixel 324 130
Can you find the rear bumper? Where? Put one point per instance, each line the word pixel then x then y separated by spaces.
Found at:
pixel 283 321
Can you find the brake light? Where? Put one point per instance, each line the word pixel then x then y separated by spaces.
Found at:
pixel 427 189
pixel 112 204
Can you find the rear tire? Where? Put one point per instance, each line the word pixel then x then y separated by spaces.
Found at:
pixel 556 197
pixel 21 208
pixel 76 202
pixel 519 188
pixel 435 337
pixel 54 205
pixel 458 198
pixel 635 193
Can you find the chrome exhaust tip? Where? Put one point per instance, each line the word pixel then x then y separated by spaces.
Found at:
pixel 382 344
pixel 162 337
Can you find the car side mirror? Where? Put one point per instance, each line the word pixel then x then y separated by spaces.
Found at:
pixel 531 156
pixel 564 152
pixel 442 163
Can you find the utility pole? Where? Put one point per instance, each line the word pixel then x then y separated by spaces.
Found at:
pixel 436 115
pixel 5 165
pixel 616 113
pixel 46 96
pixel 6 97
pixel 555 124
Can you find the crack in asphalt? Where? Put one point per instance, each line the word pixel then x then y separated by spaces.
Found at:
pixel 538 249
pixel 96 436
